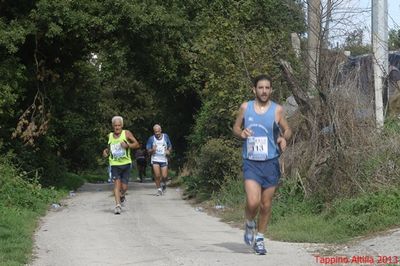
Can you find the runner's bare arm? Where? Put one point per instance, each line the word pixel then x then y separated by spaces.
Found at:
pixel 237 127
pixel 286 132
pixel 168 151
pixel 151 151
pixel 132 142
pixel 284 125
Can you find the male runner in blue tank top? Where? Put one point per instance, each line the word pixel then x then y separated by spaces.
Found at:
pixel 264 130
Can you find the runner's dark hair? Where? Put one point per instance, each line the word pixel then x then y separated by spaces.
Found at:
pixel 261 77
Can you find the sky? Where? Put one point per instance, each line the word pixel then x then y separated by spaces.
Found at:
pixel 393 11
pixel 350 15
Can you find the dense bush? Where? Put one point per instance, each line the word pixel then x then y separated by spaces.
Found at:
pixel 17 192
pixel 22 201
pixel 232 194
pixel 346 155
pixel 217 161
pixel 95 177
pixel 70 181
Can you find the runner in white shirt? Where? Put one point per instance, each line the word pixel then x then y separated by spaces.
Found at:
pixel 159 147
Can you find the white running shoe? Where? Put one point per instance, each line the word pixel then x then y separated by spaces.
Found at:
pixel 118 209
pixel 159 192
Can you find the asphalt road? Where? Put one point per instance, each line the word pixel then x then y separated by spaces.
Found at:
pixel 151 230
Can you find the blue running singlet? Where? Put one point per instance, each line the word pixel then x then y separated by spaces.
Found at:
pixel 261 146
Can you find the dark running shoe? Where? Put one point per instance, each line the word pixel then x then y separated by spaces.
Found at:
pixel 259 247
pixel 163 187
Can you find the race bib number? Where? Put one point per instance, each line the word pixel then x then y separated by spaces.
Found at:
pixel 117 151
pixel 257 148
pixel 160 150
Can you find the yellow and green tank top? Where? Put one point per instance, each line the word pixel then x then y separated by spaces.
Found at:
pixel 118 154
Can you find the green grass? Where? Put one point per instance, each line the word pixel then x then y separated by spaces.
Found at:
pixel 16 229
pixel 297 220
pixel 17 225
pixel 392 126
pixel 307 228
pixel 345 219
pixel 22 202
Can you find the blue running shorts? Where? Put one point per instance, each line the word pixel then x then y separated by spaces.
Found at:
pixel 265 173
pixel 161 164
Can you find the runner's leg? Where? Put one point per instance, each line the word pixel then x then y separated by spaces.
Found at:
pixel 117 191
pixel 253 198
pixel 157 174
pixel 164 177
pixel 265 208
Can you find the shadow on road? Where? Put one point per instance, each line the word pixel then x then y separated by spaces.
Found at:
pixel 235 247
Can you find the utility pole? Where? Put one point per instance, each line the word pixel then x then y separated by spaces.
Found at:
pixel 313 41
pixel 380 54
pixel 328 20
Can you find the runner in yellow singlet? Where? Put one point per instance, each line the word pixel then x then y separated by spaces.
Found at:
pixel 120 143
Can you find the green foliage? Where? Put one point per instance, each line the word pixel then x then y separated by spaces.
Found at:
pixel 354 43
pixel 22 201
pixel 290 200
pixel 50 58
pixel 70 181
pixel 11 75
pixel 13 34
pixel 394 40
pixel 152 60
pixel 17 192
pixel 94 177
pixel 338 222
pixel 42 164
pixel 231 195
pixel 213 121
pixel 194 188
pixel 299 219
pixel 225 55
pixel 392 126
pixel 12 81
pixel 217 161
pixel 380 166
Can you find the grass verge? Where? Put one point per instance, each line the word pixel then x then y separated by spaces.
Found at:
pixel 16 228
pixel 22 203
pixel 297 220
